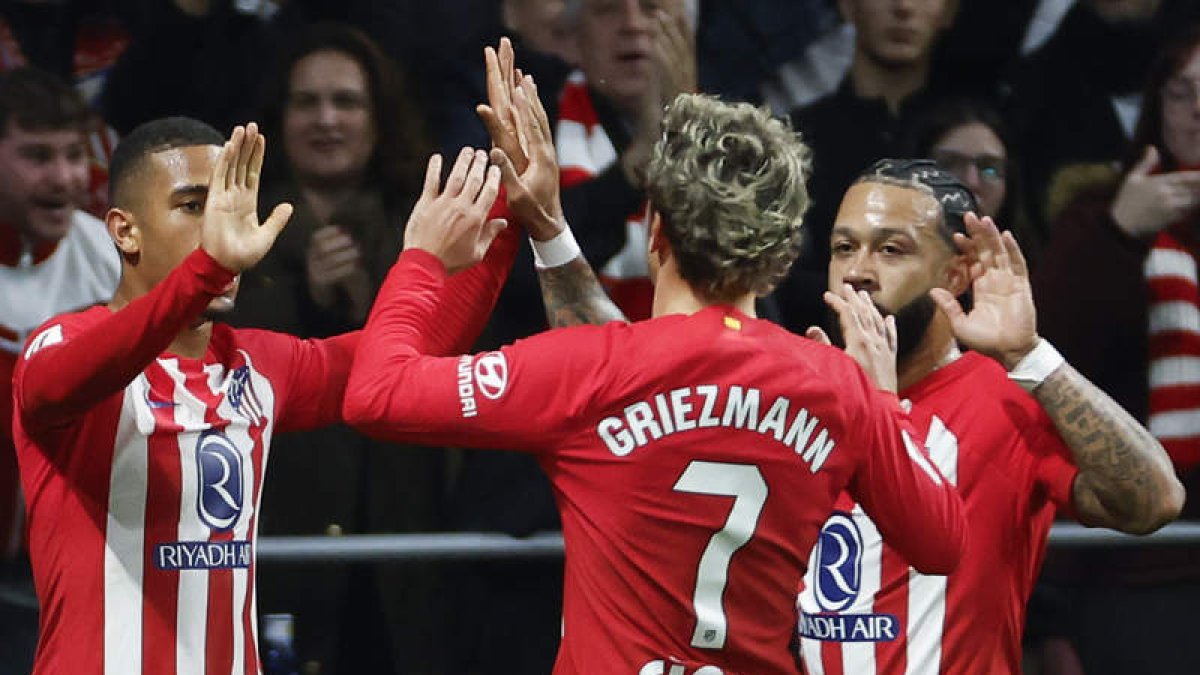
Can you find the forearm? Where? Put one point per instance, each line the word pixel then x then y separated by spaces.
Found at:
pixel 573 295
pixel 59 382
pixel 1125 480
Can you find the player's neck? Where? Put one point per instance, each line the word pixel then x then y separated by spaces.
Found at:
pixel 935 350
pixel 673 295
pixel 192 342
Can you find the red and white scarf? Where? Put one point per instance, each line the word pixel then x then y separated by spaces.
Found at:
pixel 1174 324
pixel 585 151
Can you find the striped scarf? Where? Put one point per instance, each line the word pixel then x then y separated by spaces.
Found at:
pixel 584 151
pixel 1174 318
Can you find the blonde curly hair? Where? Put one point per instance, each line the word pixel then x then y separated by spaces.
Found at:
pixel 728 180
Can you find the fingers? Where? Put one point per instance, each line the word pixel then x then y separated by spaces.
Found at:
pixel 254 170
pixel 893 340
pixel 1148 163
pixel 458 173
pixel 475 176
pixel 433 176
pixel 487 234
pixel 948 304
pixel 1015 256
pixel 491 187
pixel 220 175
pixel 989 248
pixel 815 334
pixel 249 142
pixel 234 158
pixel 508 172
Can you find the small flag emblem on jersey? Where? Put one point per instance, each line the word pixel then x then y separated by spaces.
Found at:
pixel 733 323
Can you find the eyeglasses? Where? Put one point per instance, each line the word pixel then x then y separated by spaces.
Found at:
pixel 991 168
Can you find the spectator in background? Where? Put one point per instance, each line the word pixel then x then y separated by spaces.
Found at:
pixel 859 123
pixel 1076 98
pixel 349 156
pixel 54 258
pixel 1117 292
pixel 969 138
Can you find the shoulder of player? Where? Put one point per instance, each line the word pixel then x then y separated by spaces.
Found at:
pixel 62 327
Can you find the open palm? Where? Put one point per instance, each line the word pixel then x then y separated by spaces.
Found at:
pixel 231 233
pixel 1003 322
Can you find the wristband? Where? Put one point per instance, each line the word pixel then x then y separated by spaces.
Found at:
pixel 556 252
pixel 1037 365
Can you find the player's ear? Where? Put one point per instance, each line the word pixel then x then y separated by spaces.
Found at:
pixel 125 233
pixel 658 241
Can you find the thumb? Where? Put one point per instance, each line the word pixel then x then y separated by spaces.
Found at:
pixel 508 172
pixel 279 218
pixel 948 304
pixel 815 334
pixel 1148 162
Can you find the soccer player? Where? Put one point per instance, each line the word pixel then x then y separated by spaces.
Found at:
pixel 143 427
pixel 1018 431
pixel 693 455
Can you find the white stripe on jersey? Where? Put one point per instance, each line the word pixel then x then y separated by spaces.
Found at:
pixel 266 401
pixel 927 594
pixel 191 611
pixel 124 535
pixel 240 435
pixel 859 657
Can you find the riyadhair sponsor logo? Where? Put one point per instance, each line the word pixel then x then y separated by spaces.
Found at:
pixel 839 563
pixel 219 470
pixel 838 584
pixel 202 555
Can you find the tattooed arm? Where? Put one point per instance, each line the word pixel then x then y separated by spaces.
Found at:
pixel 1125 478
pixel 573 295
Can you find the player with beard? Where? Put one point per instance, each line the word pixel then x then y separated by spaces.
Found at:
pixel 1019 431
pixel 143 427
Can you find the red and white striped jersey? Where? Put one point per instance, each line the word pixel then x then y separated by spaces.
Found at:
pixel 864 610
pixel 143 470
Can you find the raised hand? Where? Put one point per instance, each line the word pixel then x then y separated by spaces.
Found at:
pixel 870 337
pixel 1003 322
pixel 451 222
pixel 523 146
pixel 1148 202
pixel 231 233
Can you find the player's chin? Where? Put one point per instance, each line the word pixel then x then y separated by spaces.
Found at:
pixel 221 305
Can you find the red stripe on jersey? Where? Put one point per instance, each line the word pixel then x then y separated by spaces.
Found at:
pixel 893 599
pixel 160 588
pixel 831 658
pixel 1176 397
pixel 259 459
pixel 571 176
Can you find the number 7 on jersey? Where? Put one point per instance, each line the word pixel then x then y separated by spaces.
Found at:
pixel 743 482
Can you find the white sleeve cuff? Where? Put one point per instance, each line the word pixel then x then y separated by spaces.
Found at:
pixel 1036 366
pixel 559 251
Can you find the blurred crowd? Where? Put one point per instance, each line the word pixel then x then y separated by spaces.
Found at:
pixel 1076 124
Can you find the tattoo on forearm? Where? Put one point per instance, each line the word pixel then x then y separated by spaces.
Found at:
pixel 573 296
pixel 1123 468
